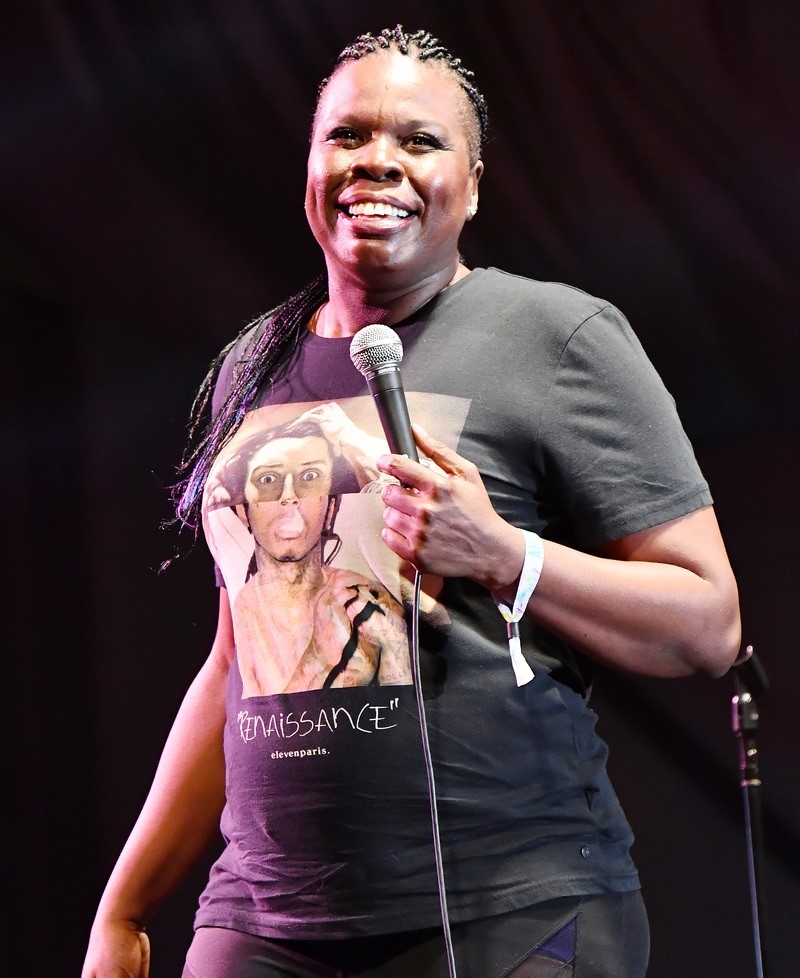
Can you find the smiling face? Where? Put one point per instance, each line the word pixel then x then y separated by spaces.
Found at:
pixel 390 181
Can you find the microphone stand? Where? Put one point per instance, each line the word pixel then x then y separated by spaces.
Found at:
pixel 751 681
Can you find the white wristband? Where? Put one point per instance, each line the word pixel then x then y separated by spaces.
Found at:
pixel 528 579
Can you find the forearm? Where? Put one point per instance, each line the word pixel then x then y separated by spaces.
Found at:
pixel 649 618
pixel 653 617
pixel 178 821
pixel 661 602
pixel 180 817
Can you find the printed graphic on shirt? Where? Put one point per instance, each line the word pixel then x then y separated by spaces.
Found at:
pixel 293 517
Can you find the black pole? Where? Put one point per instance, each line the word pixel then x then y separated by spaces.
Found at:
pixel 751 682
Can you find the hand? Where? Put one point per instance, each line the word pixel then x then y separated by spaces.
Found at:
pixel 440 518
pixel 330 417
pixel 348 440
pixel 381 629
pixel 351 609
pixel 117 949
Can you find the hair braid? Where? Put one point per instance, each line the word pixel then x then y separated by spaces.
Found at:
pixel 274 336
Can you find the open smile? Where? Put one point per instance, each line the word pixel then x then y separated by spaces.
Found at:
pixel 371 208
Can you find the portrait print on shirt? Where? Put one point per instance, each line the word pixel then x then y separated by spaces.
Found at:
pixel 293 518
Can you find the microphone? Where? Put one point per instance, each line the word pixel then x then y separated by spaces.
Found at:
pixel 376 352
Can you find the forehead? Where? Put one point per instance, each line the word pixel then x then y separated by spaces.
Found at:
pixel 393 84
pixel 311 450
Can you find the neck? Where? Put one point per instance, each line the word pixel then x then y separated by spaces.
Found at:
pixel 290 576
pixel 352 306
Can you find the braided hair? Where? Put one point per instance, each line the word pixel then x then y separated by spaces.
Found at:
pixel 274 336
pixel 277 334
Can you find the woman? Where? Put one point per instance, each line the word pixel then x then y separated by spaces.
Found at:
pixel 556 487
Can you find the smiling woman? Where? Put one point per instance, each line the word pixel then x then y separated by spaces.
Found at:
pixel 391 182
pixel 494 846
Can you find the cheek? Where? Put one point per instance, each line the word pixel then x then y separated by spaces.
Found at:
pixel 316 177
pixel 316 216
pixel 259 521
pixel 449 184
pixel 448 198
pixel 320 195
pixel 312 202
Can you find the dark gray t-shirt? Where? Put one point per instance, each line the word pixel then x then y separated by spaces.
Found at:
pixel 327 822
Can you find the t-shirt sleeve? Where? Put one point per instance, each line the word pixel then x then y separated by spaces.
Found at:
pixel 615 444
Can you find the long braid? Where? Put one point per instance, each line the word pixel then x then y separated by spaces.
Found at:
pixel 277 334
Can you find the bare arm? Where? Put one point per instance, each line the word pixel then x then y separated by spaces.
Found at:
pixel 662 602
pixel 178 821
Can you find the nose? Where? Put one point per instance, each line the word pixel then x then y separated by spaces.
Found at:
pixel 288 495
pixel 378 159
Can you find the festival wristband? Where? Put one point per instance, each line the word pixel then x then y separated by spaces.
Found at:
pixel 528 579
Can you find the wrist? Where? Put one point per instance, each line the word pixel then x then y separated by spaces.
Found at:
pixel 515 594
pixel 513 609
pixel 502 572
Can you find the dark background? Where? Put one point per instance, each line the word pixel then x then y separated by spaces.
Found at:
pixel 151 179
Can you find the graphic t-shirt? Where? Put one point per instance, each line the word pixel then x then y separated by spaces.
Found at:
pixel 328 821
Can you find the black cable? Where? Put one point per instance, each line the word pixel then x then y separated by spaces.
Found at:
pixel 426 751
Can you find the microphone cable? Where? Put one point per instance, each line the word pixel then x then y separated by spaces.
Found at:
pixel 426 751
pixel 376 352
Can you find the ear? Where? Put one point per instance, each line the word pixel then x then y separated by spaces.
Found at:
pixel 475 176
pixel 330 513
pixel 241 511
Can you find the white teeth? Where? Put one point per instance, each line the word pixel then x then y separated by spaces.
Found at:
pixel 371 209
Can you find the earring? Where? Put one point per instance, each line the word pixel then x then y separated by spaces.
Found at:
pixel 472 210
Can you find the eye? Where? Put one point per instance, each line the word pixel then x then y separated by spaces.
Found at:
pixel 422 141
pixel 266 479
pixel 310 475
pixel 344 136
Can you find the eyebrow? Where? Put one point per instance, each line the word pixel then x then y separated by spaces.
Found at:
pixel 349 117
pixel 278 466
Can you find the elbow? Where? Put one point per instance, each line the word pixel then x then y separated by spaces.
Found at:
pixel 721 655
pixel 719 638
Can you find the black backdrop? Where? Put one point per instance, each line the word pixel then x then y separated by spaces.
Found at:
pixel 151 180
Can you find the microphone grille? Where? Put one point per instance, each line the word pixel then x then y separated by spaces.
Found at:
pixel 375 345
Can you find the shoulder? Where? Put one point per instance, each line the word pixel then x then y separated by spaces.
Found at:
pixel 243 344
pixel 237 351
pixel 511 293
pixel 512 309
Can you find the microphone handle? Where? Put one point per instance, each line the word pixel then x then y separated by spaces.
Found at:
pixel 386 387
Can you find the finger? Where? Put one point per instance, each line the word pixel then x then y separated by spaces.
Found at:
pixel 449 461
pixel 400 545
pixel 411 474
